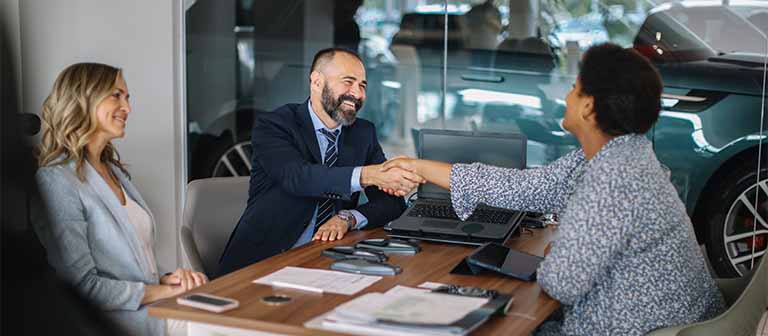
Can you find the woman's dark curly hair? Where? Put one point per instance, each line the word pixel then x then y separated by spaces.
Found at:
pixel 626 88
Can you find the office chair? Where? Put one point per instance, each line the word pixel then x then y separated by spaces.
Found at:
pixel 212 210
pixel 744 311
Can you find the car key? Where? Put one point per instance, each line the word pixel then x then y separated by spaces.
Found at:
pixel 362 266
pixel 342 252
pixel 389 246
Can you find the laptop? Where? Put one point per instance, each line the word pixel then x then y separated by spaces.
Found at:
pixel 431 216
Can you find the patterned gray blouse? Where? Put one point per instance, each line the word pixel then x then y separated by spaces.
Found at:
pixel 626 261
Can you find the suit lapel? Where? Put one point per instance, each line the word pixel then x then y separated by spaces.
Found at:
pixel 346 148
pixel 308 131
pixel 346 154
pixel 105 194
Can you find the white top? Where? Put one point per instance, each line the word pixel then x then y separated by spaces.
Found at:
pixel 142 223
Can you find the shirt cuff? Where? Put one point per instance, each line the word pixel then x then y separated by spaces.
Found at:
pixel 360 220
pixel 355 181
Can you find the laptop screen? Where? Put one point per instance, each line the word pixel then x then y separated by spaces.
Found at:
pixel 498 149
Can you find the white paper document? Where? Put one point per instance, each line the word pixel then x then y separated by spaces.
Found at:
pixel 405 290
pixel 415 306
pixel 414 311
pixel 431 285
pixel 317 280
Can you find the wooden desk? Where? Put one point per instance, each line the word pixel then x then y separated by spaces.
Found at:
pixel 531 305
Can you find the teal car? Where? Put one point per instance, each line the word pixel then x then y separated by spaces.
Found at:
pixel 708 133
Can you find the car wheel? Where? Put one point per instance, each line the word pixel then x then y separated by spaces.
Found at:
pixel 736 228
pixel 234 161
pixel 224 157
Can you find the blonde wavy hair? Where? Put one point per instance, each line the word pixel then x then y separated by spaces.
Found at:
pixel 69 119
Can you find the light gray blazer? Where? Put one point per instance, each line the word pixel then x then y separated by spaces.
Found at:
pixel 92 245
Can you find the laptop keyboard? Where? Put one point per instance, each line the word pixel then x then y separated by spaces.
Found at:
pixel 445 211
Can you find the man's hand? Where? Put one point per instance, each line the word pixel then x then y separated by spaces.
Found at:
pixel 333 229
pixel 402 162
pixel 399 181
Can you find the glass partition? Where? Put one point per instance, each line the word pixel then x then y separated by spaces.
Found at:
pixel 502 66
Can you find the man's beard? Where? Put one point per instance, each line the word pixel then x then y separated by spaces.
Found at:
pixel 333 107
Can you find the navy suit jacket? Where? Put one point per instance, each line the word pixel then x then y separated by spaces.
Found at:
pixel 288 180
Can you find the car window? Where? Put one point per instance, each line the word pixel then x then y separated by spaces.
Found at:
pixel 663 37
pixel 719 27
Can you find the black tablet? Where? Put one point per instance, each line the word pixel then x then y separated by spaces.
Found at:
pixel 507 261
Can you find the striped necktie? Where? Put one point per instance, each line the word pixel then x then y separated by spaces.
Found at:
pixel 325 207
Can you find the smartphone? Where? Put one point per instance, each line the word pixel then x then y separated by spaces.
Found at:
pixel 208 302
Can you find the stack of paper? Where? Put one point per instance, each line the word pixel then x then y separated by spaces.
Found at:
pixel 401 311
pixel 316 280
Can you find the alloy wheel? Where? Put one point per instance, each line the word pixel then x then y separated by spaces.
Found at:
pixel 236 161
pixel 746 228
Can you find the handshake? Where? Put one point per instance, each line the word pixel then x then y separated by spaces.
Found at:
pixel 398 176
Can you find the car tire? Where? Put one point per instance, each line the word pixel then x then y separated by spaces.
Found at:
pixel 224 157
pixel 726 216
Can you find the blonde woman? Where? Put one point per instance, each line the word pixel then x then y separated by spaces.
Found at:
pixel 100 232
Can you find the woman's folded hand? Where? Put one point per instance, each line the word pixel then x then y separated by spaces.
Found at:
pixel 185 278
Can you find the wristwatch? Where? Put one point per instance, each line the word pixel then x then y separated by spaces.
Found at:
pixel 347 216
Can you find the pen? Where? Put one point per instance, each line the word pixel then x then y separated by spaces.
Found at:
pixel 295 286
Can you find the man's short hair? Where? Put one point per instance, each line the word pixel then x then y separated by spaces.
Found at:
pixel 326 55
pixel 626 88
